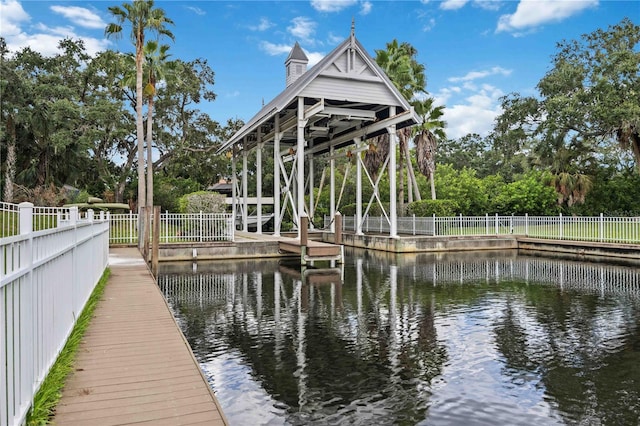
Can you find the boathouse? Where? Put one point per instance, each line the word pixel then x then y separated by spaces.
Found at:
pixel 341 102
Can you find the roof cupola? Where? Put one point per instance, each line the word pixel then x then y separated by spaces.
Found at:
pixel 296 64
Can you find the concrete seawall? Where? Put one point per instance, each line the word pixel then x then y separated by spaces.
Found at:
pixel 252 246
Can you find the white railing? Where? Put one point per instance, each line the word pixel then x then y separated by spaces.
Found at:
pixel 175 227
pixel 624 230
pixel 46 278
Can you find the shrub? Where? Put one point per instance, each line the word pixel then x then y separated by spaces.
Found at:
pixel 350 209
pixel 202 201
pixel 426 208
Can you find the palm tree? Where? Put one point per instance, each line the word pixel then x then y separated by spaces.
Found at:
pixel 142 16
pixel 426 136
pixel 399 63
pixel 157 69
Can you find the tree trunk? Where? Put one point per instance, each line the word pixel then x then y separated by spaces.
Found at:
pixel 433 186
pixel 412 175
pixel 401 179
pixel 140 139
pixel 409 186
pixel 149 156
pixel 10 173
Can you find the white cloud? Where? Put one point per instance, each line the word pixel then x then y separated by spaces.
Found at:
pixel 47 43
pixel 332 5
pixel 474 114
pixel 263 25
pixel 12 15
pixel 196 10
pixel 45 39
pixel 474 75
pixel 334 39
pixel 429 25
pixel 365 7
pixel 314 57
pixel 453 4
pixel 532 13
pixel 302 28
pixel 471 108
pixel 80 16
pixel 273 49
pixel 488 4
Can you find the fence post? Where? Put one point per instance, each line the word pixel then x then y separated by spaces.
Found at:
pixel 155 246
pixel 338 227
pixel 414 224
pixel 497 229
pixel 486 223
pixel 561 227
pixel 73 215
pixel 26 218
pixel 90 215
pixel 526 224
pixel 460 223
pixel 601 228
pixel 200 230
pixel 511 224
pixel 435 233
pixel 130 227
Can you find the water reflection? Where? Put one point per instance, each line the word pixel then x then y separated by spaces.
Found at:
pixel 494 338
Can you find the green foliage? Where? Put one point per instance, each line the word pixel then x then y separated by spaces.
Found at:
pixel 614 193
pixel 49 394
pixel 425 208
pixel 168 190
pixel 464 188
pixel 375 210
pixel 589 98
pixel 531 194
pixel 202 201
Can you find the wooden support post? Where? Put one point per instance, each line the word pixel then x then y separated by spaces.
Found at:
pixel 147 230
pixel 304 237
pixel 338 233
pixel 156 241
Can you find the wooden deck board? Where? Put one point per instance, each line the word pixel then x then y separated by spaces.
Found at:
pixel 133 364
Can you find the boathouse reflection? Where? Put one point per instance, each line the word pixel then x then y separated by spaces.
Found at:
pixel 368 343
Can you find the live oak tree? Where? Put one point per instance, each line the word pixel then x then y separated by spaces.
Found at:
pixel 588 100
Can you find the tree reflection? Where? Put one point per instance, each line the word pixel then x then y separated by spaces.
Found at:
pixel 368 347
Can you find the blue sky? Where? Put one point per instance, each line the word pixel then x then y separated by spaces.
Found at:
pixel 475 51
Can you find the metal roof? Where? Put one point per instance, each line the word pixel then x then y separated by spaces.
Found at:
pixel 285 104
pixel 296 54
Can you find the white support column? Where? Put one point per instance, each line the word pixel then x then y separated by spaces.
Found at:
pixel 276 177
pixel 234 186
pixel 259 186
pixel 311 177
pixel 332 188
pixel 358 190
pixel 393 142
pixel 300 154
pixel 245 188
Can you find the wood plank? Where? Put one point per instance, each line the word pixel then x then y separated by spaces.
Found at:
pixel 133 364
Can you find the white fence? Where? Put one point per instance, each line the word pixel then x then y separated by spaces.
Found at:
pixel 46 278
pixel 175 227
pixel 599 228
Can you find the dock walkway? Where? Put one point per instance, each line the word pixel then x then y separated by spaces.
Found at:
pixel 133 364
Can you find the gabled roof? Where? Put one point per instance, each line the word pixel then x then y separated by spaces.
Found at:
pixel 328 67
pixel 296 54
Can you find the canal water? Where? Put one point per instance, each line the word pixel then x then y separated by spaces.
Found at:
pixel 480 338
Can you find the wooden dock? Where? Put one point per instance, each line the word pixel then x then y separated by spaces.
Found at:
pixel 310 250
pixel 134 365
